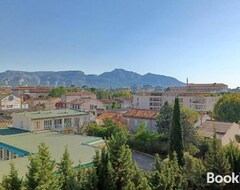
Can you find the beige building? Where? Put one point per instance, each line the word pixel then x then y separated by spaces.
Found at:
pixel 70 96
pixel 55 120
pixel 224 131
pixel 43 103
pixel 11 102
pixel 197 101
pixel 135 117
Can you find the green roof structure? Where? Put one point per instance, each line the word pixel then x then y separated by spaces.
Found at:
pixel 81 148
pixel 53 113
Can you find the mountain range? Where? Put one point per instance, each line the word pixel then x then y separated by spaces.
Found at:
pixel 118 78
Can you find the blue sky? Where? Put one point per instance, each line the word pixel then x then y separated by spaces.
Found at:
pixel 188 38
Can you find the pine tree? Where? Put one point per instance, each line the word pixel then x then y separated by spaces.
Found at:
pixel 12 181
pixel 216 160
pixel 104 170
pixel 167 174
pixel 139 179
pixel 176 135
pixel 41 171
pixel 66 171
pixel 120 157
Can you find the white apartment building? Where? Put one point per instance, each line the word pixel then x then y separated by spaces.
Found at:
pixel 55 120
pixel 154 101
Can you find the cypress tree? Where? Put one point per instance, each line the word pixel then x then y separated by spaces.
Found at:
pixel 66 171
pixel 12 181
pixel 41 171
pixel 176 135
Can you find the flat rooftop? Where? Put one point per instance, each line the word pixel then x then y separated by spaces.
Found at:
pixel 52 113
pixel 81 148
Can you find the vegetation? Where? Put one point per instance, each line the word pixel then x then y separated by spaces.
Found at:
pixel 12 181
pixel 106 130
pixel 58 92
pixel 176 136
pixel 228 108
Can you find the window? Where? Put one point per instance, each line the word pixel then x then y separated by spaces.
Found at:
pixel 47 124
pixel 58 123
pixel 1 154
pixel 37 125
pixel 67 122
pixel 8 154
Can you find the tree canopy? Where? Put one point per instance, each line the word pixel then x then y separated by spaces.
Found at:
pixel 227 108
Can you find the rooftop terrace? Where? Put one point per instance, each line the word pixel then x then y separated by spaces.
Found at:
pixel 53 113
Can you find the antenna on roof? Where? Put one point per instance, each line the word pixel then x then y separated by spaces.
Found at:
pixel 187 81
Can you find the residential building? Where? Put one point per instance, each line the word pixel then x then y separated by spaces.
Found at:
pixel 93 106
pixel 78 95
pixel 11 102
pixel 135 117
pixel 55 120
pixel 224 131
pixel 201 88
pixel 43 103
pixel 31 91
pixel 201 102
pixel 113 115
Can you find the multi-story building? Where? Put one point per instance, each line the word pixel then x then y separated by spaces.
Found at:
pixel 201 102
pixel 30 91
pixel 55 120
pixel 43 103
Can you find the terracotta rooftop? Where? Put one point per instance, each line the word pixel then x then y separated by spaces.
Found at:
pixel 208 127
pixel 45 99
pixel 107 101
pixel 115 116
pixel 141 113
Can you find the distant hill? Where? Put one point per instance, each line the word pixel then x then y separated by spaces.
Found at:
pixel 118 78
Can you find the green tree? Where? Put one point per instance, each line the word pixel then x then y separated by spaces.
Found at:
pixel 120 157
pixel 58 91
pixel 104 170
pixel 103 94
pixel 145 140
pixel 106 130
pixel 194 172
pixel 227 108
pixel 66 172
pixel 216 160
pixel 41 171
pixel 176 138
pixel 164 119
pixel 122 93
pixel 12 181
pixel 166 175
pixel 116 105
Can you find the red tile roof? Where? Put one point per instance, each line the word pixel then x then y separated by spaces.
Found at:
pixel 115 116
pixel 141 113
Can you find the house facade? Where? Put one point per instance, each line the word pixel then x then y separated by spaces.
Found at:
pixel 55 120
pixel 12 102
pixel 135 117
